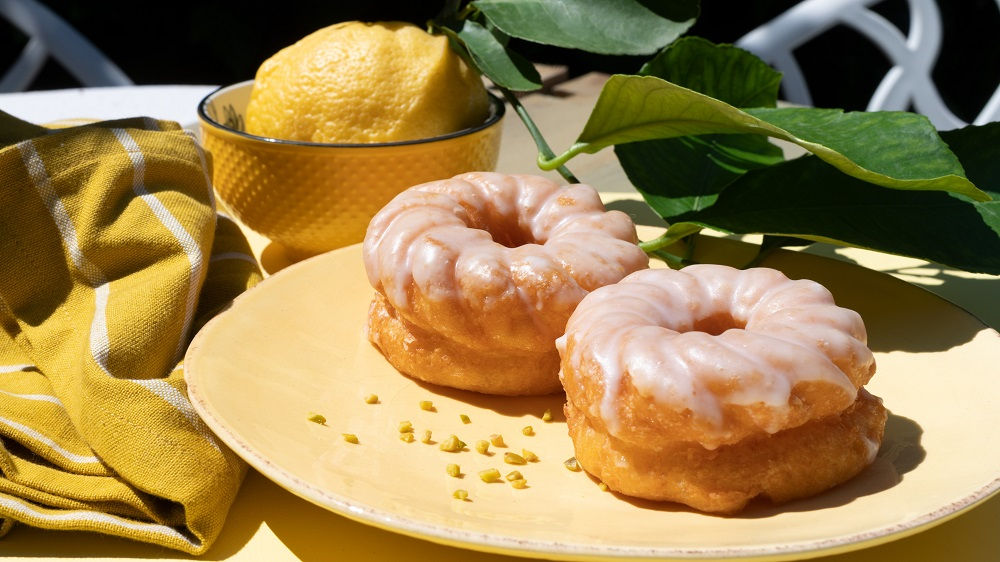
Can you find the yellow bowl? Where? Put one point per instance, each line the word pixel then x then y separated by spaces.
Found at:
pixel 313 197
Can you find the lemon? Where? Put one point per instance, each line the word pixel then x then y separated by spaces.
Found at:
pixel 357 82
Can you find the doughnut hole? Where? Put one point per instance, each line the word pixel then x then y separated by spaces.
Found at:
pixel 718 323
pixel 504 228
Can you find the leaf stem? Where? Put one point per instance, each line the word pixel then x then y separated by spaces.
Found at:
pixel 467 11
pixel 544 152
pixel 555 162
pixel 657 248
pixel 656 244
pixel 675 262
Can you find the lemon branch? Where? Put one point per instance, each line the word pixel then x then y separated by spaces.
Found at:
pixel 544 151
pixel 469 38
pixel 657 247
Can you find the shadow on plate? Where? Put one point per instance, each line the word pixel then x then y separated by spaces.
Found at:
pixel 275 257
pixel 951 284
pixel 508 406
pixel 641 213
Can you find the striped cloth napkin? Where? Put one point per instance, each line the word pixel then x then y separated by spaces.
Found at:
pixel 111 256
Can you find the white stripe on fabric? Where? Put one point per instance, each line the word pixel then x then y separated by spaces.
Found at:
pixel 99 341
pixel 204 166
pixel 68 455
pixel 233 256
pixel 96 518
pixel 40 178
pixel 196 260
pixel 16 368
pixel 37 397
pixel 98 329
pixel 99 344
pixel 176 399
pixel 190 246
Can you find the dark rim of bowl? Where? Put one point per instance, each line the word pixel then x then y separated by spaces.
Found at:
pixel 497 110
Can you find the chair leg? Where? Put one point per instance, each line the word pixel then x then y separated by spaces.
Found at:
pixel 27 66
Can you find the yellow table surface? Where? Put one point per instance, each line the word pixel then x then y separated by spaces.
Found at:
pixel 268 523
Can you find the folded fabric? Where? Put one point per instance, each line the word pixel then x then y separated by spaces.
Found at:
pixel 111 255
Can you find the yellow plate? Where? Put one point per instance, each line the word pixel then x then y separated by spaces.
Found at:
pixel 295 345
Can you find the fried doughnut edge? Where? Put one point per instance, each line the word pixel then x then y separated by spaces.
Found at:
pixel 791 464
pixel 428 357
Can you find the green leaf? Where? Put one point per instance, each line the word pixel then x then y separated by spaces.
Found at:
pixel 500 64
pixel 724 72
pixel 636 108
pixel 893 143
pixel 674 10
pixel 615 27
pixel 688 173
pixel 990 212
pixel 807 198
pixel 978 149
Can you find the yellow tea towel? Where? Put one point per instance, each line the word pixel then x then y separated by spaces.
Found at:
pixel 111 256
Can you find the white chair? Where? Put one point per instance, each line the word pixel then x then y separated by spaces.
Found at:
pixel 50 35
pixel 907 83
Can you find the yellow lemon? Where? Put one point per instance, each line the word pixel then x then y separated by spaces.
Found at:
pixel 356 82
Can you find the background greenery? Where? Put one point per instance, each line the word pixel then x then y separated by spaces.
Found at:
pixel 188 42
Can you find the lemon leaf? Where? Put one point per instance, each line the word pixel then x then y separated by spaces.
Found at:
pixel 892 149
pixel 617 27
pixel 809 199
pixel 929 225
pixel 500 64
pixel 724 72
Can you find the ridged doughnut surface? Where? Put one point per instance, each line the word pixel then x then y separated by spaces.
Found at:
pixel 489 265
pixel 666 366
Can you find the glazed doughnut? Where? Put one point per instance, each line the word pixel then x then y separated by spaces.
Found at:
pixel 476 276
pixel 686 380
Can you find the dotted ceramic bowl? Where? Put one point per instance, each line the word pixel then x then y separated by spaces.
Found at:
pixel 313 197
